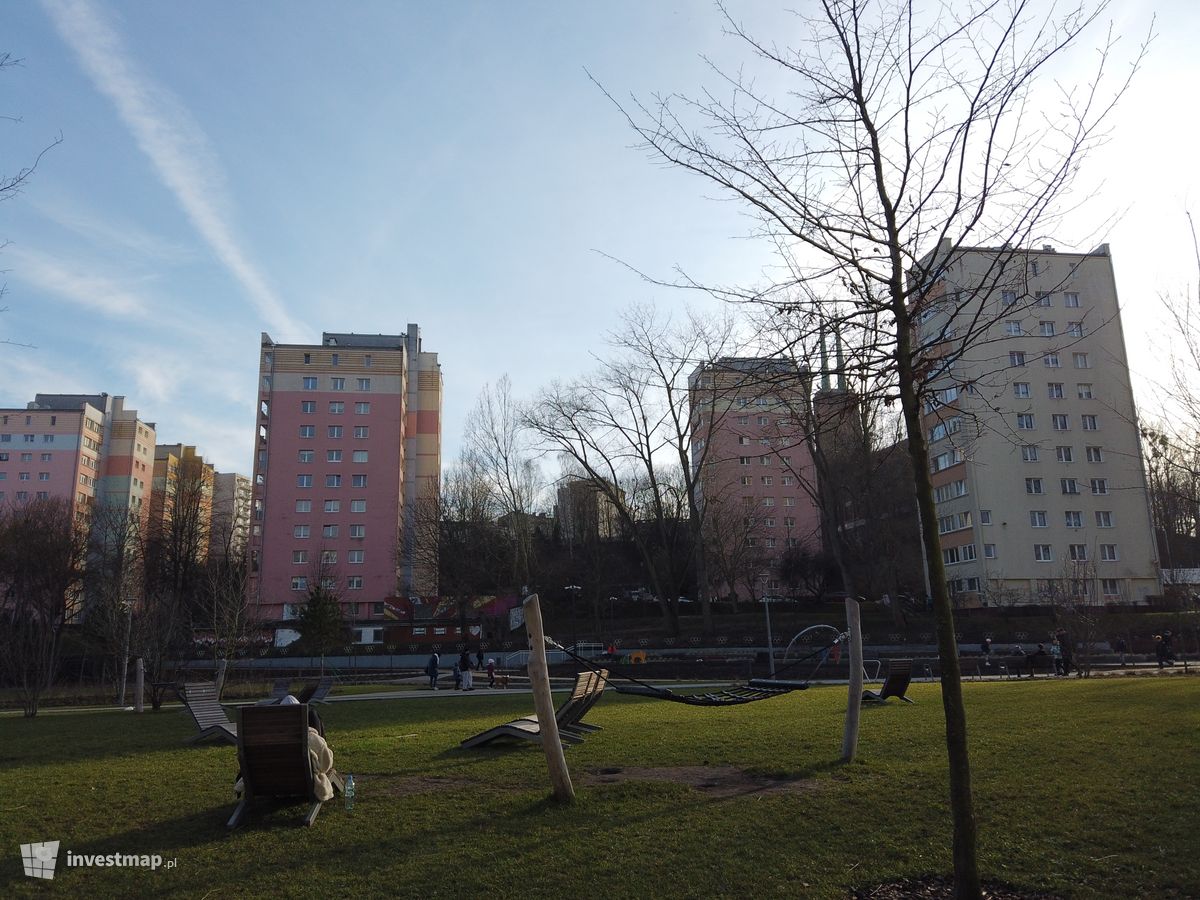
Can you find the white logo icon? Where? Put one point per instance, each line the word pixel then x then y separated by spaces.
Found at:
pixel 39 859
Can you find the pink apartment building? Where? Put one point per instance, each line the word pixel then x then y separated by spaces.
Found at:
pixel 81 447
pixel 348 440
pixel 748 438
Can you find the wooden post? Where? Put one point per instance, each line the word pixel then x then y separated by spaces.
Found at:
pixel 221 666
pixel 854 700
pixel 543 702
pixel 139 685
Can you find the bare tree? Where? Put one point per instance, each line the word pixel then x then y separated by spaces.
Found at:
pixel 901 141
pixel 115 582
pixel 501 446
pixel 639 428
pixel 43 552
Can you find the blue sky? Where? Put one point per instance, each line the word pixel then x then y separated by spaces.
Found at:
pixel 231 168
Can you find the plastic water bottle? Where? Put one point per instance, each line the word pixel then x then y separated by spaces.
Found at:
pixel 349 793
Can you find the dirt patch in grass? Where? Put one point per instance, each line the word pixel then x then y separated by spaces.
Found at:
pixel 937 887
pixel 717 781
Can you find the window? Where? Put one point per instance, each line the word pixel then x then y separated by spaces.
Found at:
pixel 354 583
pixel 950 491
pixel 47 439
pixel 366 360
pixel 1081 360
pixel 303 506
pixel 308 406
pixel 767 480
pixel 764 460
pixel 1110 587
pixel 743 420
pixel 358 506
pixel 1043 553
pixel 329 531
pixel 1099 485
pixel 1073 518
pixel 335 431
pixel 1037 518
pixel 362 408
pixel 333 359
pixel 1095 455
pixel 1021 389
pixel 307 358
pixel 1090 423
pixel 1043 299
pixel 768 501
pixel 337 384
pixel 951 555
pixel 361 431
pixel 333 456
pixel 968 552
pixel 1054 390
pixel 360 456
pixel 1071 300
pixel 1013 328
pixel 300 531
pixel 1050 361
pixel 1064 454
pixel 1108 552
pixel 1075 329
pixel 333 481
pixel 1029 453
pixel 765 442
pixel 336 407
pixel 1033 486
pixel 1025 422
pixel 299 557
pixel 1060 422
pixel 308 431
pixel 333 505
pixel 946 460
pixel 1084 390
pixel 743 440
pixel 1069 485
pixel 985 517
pixel 1016 358
pixel 304 481
pixel 744 460
pixel 1104 518
pixel 364 384
pixel 358 531
pixel 1046 329
pixel 328 557
pixel 355 557
pixel 43 476
pixel 358 480
pixel 1008 298
pixel 46 458
pixel 788 480
pixel 1078 552
pixel 746 479
pixel 789 501
pixel 989 551
pixel 26 457
pixel 299 583
pixel 310 383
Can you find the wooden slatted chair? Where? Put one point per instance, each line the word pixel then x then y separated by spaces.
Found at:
pixel 208 714
pixel 273 754
pixel 587 689
pixel 895 685
pixel 318 692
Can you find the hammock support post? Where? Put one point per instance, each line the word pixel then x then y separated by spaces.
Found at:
pixel 854 700
pixel 543 702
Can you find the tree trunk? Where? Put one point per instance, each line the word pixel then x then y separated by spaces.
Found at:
pixel 966 867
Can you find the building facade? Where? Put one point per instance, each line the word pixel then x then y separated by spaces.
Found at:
pixel 585 511
pixel 348 446
pixel 1033 436
pixel 757 475
pixel 231 502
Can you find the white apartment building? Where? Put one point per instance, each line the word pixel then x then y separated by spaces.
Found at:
pixel 1033 437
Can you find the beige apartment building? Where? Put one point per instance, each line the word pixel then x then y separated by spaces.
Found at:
pixel 1033 437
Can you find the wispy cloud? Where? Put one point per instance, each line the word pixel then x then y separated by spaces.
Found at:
pixel 108 230
pixel 175 144
pixel 84 289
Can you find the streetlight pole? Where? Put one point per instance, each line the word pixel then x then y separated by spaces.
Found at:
pixel 128 607
pixel 766 602
pixel 573 590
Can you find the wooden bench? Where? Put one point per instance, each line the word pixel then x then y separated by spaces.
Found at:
pixel 899 676
pixel 587 690
pixel 208 714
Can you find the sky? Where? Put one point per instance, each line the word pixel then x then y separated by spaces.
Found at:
pixel 295 167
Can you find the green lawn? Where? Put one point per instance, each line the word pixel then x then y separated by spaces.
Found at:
pixel 1084 788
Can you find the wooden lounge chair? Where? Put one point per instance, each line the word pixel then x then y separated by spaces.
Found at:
pixel 318 692
pixel 279 689
pixel 587 690
pixel 208 714
pixel 895 685
pixel 273 754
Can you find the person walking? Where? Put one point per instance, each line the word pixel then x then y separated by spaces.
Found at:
pixel 431 669
pixel 458 675
pixel 1120 647
pixel 1056 655
pixel 464 663
pixel 1160 651
pixel 479 658
pixel 491 670
pixel 1068 651
pixel 986 650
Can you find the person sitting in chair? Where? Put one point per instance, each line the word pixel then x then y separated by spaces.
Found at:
pixel 318 753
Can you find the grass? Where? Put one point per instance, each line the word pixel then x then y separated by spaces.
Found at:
pixel 1082 788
